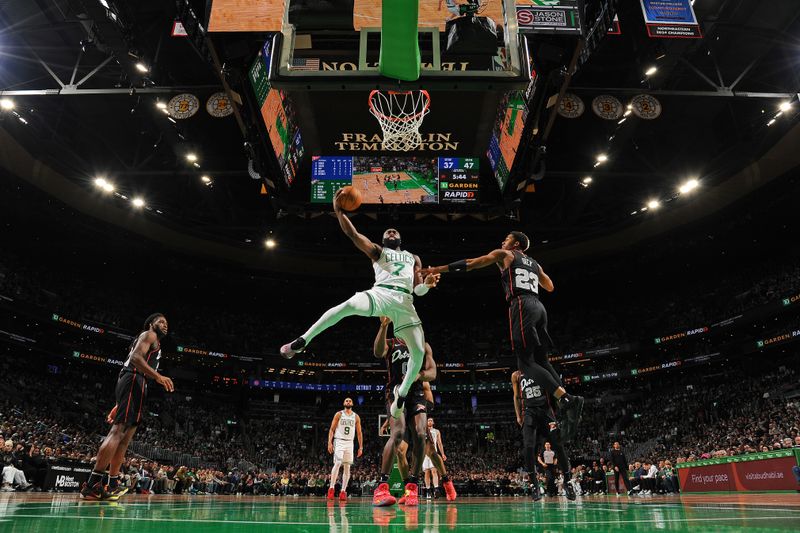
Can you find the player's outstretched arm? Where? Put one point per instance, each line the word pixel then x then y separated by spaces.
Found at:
pixel 496 257
pixel 423 285
pixel 544 280
pixel 372 250
pixel 428 372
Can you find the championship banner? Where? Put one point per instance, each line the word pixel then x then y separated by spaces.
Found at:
pixel 670 19
pixel 768 471
pixel 66 476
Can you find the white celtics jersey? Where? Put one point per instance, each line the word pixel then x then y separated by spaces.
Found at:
pixel 435 437
pixel 346 430
pixel 395 268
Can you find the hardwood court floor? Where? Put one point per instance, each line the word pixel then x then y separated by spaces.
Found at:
pixel 205 514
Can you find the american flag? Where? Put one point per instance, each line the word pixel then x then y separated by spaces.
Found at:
pixel 300 63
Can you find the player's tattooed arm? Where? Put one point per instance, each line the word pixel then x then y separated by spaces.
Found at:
pixel 372 250
pixel 499 257
pixel 379 347
pixel 138 356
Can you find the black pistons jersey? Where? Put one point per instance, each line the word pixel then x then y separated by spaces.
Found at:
pixel 153 357
pixel 396 362
pixel 533 395
pixel 521 277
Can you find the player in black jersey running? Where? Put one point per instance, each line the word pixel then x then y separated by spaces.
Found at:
pixel 397 356
pixel 142 363
pixel 521 277
pixel 538 422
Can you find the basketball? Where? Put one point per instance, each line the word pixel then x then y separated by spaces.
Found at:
pixel 349 199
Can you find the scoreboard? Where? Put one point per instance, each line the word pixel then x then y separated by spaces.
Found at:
pixel 459 180
pixel 442 180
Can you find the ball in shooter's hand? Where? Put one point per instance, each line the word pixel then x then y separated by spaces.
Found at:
pixel 349 198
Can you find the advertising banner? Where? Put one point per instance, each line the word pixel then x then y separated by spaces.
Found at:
pixel 770 471
pixel 670 19
pixel 66 476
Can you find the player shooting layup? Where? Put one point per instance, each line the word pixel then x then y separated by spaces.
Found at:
pixel 344 426
pixel 397 279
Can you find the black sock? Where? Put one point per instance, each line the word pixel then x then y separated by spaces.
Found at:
pixel 384 478
pixel 298 343
pixel 113 482
pixel 95 477
pixel 105 478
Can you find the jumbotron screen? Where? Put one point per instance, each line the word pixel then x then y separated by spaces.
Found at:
pixel 397 180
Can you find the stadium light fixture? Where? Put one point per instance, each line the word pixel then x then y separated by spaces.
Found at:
pixel 191 157
pixel 785 106
pixel 141 67
pixel 602 158
pixel 7 104
pixel 650 71
pixel 623 119
pixel 205 179
pixel 587 180
pixel 270 243
pixel 771 122
pixel 653 204
pixel 160 104
pixel 688 186
pixel 138 202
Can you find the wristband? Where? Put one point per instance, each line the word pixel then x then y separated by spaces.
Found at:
pixel 421 289
pixel 458 266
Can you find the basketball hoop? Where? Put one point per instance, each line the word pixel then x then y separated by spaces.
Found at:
pixel 400 114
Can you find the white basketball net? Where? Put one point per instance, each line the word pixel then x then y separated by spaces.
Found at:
pixel 400 114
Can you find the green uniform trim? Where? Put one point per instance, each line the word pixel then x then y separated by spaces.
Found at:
pixel 371 303
pixel 394 288
pixel 407 326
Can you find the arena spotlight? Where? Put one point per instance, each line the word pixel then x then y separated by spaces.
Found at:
pixel 141 67
pixel 160 104
pixel 7 104
pixel 653 204
pixel 205 179
pixel 650 71
pixel 270 243
pixel 587 180
pixel 104 4
pixel 785 106
pixel 689 186
pixel 138 203
pixel 191 157
pixel 602 158
pixel 771 122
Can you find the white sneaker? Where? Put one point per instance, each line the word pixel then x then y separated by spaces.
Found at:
pixel 395 410
pixel 7 488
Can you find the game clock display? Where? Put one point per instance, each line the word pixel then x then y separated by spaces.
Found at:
pixel 397 180
pixel 459 180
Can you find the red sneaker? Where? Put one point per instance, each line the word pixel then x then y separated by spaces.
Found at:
pixel 412 498
pixel 381 497
pixel 330 493
pixel 449 490
pixel 342 496
pixel 402 500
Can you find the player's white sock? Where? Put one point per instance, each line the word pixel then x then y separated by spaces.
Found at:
pixel 345 476
pixel 357 305
pixel 334 474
